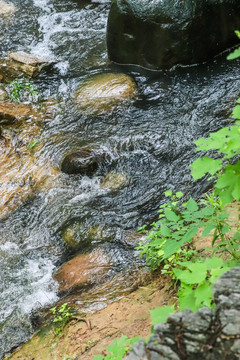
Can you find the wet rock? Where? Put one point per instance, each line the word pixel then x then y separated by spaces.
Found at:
pixel 10 112
pixel 78 235
pixel 27 59
pixel 23 169
pixel 21 63
pixel 102 92
pixel 160 34
pixel 83 269
pixel 3 94
pixel 115 181
pixel 206 334
pixel 85 161
pixel 6 8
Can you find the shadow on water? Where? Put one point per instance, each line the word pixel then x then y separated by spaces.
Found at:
pixel 150 140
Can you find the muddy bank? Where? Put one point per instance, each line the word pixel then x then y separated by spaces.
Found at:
pixel 92 332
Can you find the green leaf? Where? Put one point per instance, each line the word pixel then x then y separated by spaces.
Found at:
pixel 203 295
pixel 195 274
pixel 237 32
pixel 192 205
pixel 32 144
pixel 236 110
pixel 170 215
pixel 171 247
pixel 187 299
pixel 202 166
pixel 190 234
pixel 165 230
pixel 161 314
pixel 168 193
pixel 230 181
pixel 234 55
pixel 216 273
pixel 179 194
pixel 212 263
pixel 208 228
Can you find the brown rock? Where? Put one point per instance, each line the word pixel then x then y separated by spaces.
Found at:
pixel 10 112
pixel 26 58
pixel 23 170
pixel 21 63
pixel 89 268
pixel 103 92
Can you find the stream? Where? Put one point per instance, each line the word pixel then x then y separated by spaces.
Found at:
pixel 151 140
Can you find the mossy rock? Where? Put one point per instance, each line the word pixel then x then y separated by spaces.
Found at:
pixel 78 235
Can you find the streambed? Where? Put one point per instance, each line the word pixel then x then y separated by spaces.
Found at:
pixel 150 139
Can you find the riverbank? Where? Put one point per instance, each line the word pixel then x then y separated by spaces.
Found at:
pixel 88 334
pixel 84 337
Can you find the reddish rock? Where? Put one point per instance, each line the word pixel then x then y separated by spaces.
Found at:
pixel 89 268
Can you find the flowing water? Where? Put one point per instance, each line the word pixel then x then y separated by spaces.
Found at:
pixel 150 139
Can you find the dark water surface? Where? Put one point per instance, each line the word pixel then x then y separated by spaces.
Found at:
pixel 151 140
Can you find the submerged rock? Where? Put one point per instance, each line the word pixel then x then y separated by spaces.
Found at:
pixel 78 235
pixel 83 269
pixel 115 181
pixel 162 33
pixel 85 161
pixel 6 8
pixel 102 92
pixel 21 63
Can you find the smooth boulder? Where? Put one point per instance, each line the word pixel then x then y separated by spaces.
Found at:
pixel 160 34
pixel 102 92
pixel 83 269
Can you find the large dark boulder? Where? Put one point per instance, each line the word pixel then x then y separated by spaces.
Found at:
pixel 161 33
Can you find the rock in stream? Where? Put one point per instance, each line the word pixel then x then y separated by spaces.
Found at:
pixel 160 34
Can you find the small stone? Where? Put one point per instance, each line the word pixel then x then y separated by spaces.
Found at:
pixel 115 181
